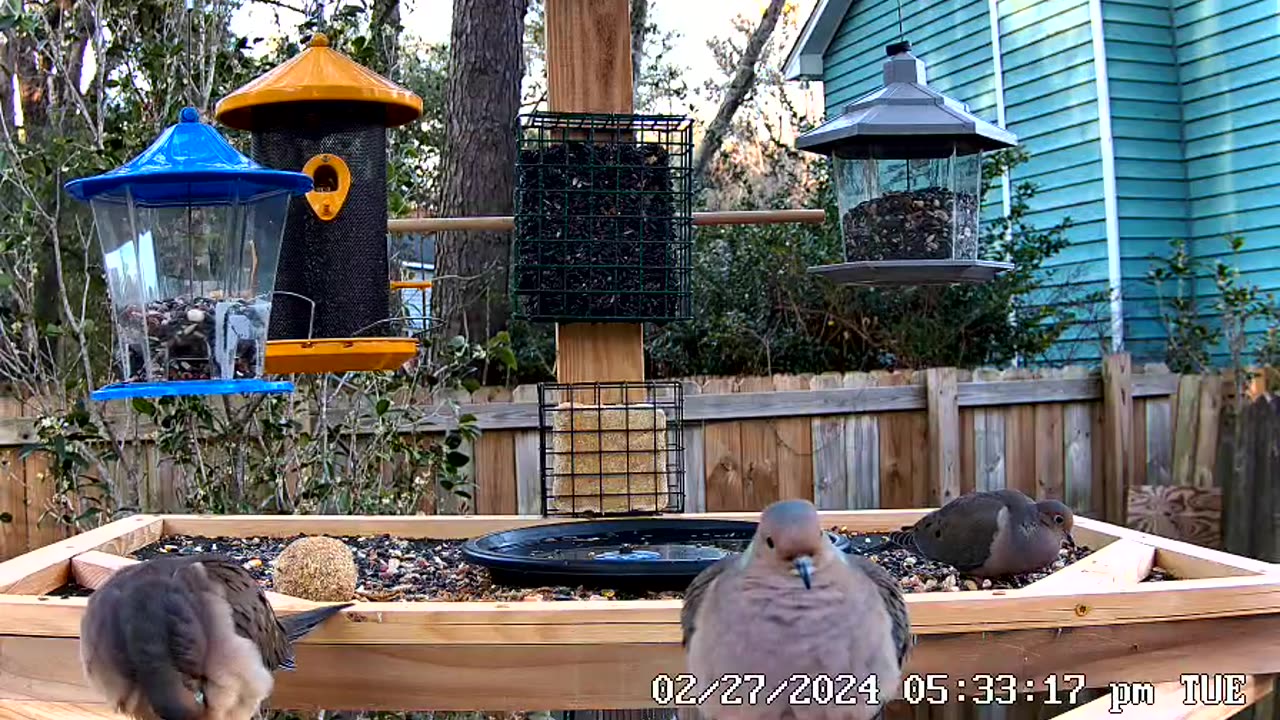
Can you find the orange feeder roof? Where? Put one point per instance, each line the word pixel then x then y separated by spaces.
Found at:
pixel 318 73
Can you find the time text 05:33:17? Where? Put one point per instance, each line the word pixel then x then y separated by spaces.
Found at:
pixel 844 689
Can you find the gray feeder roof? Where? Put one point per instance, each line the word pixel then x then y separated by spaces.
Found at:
pixel 905 119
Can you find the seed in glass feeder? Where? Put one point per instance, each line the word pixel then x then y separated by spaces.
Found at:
pixel 932 223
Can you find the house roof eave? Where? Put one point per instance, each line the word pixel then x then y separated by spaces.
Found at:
pixel 804 62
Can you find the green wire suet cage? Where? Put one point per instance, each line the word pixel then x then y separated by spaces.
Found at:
pixel 603 218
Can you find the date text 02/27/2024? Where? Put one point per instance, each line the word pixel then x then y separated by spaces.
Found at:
pixel 980 689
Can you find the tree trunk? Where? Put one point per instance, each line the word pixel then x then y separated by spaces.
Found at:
pixel 639 30
pixel 482 97
pixel 744 78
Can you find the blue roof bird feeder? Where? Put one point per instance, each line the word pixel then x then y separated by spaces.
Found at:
pixel 190 232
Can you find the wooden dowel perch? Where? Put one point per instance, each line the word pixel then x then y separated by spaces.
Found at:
pixel 506 223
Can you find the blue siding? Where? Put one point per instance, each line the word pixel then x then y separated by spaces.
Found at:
pixel 1051 103
pixel 1151 183
pixel 1229 55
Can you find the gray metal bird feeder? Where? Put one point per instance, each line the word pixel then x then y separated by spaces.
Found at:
pixel 907 165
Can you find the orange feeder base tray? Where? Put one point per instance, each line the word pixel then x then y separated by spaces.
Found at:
pixel 335 355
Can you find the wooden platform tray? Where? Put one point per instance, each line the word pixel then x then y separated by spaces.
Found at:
pixel 1093 619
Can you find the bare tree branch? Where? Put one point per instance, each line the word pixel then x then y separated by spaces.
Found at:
pixel 744 78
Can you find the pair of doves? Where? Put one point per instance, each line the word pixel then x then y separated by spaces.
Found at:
pixel 795 613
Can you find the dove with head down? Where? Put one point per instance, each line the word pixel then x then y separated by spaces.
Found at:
pixel 992 533
pixel 188 638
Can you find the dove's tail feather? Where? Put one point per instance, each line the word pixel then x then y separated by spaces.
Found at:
pixel 297 626
pixel 165 651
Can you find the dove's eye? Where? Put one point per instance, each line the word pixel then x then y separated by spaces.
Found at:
pixel 769 541
pixel 1059 519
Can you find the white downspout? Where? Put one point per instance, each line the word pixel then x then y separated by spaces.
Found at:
pixel 997 65
pixel 1106 145
pixel 997 78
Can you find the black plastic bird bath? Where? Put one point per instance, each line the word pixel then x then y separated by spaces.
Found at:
pixel 635 554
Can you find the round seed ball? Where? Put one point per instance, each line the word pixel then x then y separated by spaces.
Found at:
pixel 316 568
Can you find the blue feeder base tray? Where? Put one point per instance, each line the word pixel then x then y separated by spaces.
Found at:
pixel 126 391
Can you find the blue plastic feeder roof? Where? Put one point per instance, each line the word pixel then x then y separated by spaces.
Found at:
pixel 143 211
pixel 190 164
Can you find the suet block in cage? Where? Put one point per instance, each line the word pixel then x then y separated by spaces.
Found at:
pixel 611 458
pixel 603 216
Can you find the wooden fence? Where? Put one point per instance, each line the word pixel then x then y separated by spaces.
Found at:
pixel 1112 444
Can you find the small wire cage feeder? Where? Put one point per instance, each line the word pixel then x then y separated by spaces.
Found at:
pixel 603 218
pixel 907 169
pixel 190 232
pixel 325 115
pixel 611 448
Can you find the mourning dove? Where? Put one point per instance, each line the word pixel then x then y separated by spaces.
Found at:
pixel 991 533
pixel 187 638
pixel 792 608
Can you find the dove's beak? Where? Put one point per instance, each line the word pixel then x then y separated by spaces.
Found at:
pixel 804 568
pixel 1071 542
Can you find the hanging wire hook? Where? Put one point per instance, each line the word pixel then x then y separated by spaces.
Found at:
pixel 311 321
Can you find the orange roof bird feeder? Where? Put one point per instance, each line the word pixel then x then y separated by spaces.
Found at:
pixel 322 114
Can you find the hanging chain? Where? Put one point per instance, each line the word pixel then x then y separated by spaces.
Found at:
pixel 190 70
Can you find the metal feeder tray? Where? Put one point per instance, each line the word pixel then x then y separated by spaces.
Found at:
pixel 651 554
pixel 897 273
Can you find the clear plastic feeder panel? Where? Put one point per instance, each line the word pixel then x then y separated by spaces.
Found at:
pixel 191 285
pixel 909 209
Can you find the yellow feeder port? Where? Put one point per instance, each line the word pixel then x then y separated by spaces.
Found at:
pixel 325 115
pixel 410 284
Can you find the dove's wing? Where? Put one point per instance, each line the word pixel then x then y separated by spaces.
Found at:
pixel 696 592
pixel 960 532
pixel 251 612
pixel 144 641
pixel 894 603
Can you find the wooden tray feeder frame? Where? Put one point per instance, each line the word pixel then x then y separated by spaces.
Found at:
pixel 1094 618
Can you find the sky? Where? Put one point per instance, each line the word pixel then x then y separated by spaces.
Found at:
pixel 695 21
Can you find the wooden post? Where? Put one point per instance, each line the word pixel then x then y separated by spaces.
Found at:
pixel 1117 442
pixel 944 435
pixel 589 70
pixel 1264 426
